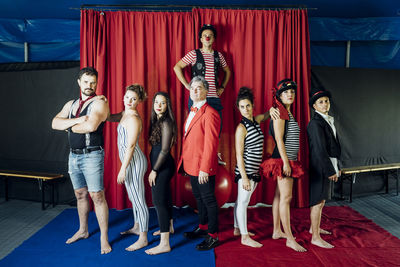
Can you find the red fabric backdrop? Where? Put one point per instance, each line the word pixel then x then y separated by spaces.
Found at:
pixel 261 48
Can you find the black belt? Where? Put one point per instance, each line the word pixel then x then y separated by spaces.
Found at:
pixel 85 150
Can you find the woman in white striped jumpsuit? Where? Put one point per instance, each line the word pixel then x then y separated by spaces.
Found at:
pixel 134 163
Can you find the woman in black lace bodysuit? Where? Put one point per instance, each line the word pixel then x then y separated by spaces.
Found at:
pixel 162 136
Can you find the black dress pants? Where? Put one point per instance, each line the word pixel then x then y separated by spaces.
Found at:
pixel 206 202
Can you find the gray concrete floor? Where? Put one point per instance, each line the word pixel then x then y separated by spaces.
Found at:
pixel 20 219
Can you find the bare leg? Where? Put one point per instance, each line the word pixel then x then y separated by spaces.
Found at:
pixel 83 213
pixel 285 188
pixel 101 209
pixel 171 228
pixel 321 231
pixel 140 243
pixel 277 232
pixel 133 231
pixel 163 247
pixel 315 216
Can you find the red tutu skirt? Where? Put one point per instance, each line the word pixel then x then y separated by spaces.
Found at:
pixel 273 168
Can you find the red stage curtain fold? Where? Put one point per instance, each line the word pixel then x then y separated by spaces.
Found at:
pixel 261 47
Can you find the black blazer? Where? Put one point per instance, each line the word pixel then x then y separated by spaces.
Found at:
pixel 322 144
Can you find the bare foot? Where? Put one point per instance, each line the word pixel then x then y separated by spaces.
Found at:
pixel 105 246
pixel 321 243
pixel 247 241
pixel 171 231
pixel 158 249
pixel 137 245
pixel 294 245
pixel 77 236
pixel 278 235
pixel 236 232
pixel 322 232
pixel 133 231
pixel 158 232
pixel 154 234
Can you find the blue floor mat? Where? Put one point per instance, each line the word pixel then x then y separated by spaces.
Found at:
pixel 47 247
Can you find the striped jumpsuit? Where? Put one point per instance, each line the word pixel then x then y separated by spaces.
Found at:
pixel 134 180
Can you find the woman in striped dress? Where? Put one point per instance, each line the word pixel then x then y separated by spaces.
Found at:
pixel 249 141
pixel 283 165
pixel 134 163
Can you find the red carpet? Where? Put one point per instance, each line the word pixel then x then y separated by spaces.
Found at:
pixel 357 240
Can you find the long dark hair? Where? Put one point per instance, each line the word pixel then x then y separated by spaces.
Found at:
pixel 155 123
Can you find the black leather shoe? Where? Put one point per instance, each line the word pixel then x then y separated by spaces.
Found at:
pixel 196 233
pixel 208 243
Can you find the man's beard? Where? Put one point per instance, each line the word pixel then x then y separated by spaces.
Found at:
pixel 88 92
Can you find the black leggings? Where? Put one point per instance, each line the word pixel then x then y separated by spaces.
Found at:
pixel 161 191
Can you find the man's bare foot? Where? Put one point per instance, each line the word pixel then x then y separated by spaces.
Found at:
pixel 158 249
pixel 278 235
pixel 105 246
pixel 77 236
pixel 137 245
pixel 133 231
pixel 294 245
pixel 247 241
pixel 321 243
pixel 322 232
pixel 236 232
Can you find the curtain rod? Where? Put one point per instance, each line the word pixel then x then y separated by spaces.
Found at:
pixel 188 7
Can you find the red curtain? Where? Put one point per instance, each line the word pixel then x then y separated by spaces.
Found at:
pixel 135 47
pixel 261 48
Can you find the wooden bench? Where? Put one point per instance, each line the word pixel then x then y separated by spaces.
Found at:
pixel 43 179
pixel 350 174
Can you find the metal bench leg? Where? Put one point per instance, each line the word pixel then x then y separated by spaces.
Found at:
pixel 386 174
pixel 341 184
pixel 353 181
pixel 52 193
pixel 397 182
pixel 6 187
pixel 41 188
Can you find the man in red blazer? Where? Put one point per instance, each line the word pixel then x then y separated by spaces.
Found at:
pixel 199 161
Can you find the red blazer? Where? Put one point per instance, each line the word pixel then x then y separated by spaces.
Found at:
pixel 200 143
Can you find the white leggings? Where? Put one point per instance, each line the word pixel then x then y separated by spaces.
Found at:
pixel 240 212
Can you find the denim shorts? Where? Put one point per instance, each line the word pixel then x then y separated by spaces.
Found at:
pixel 87 170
